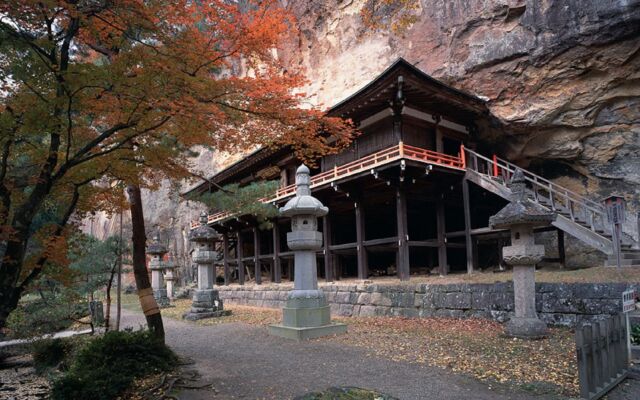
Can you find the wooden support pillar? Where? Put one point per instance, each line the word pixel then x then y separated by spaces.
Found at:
pixel 467 225
pixel 240 254
pixel 363 272
pixel 442 239
pixel 225 258
pixel 326 238
pixel 403 235
pixel 277 263
pixel 561 252
pixel 256 256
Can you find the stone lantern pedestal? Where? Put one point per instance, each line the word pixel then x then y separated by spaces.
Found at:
pixel 520 216
pixel 157 266
pixel 307 313
pixel 169 277
pixel 206 300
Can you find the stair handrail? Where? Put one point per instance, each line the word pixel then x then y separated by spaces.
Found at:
pixel 538 180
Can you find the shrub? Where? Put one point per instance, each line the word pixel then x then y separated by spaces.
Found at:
pixel 635 334
pixel 49 353
pixel 106 366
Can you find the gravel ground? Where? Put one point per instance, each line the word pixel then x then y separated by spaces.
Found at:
pixel 244 362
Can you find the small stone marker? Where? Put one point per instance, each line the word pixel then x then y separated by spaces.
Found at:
pixel 96 310
pixel 206 300
pixel 520 216
pixel 628 305
pixel 307 313
pixel 157 266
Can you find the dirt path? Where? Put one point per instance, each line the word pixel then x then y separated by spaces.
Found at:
pixel 244 362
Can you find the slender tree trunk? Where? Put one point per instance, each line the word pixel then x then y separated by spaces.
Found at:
pixel 119 295
pixel 145 293
pixel 107 316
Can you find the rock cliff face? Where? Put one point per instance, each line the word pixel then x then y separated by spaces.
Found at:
pixel 562 76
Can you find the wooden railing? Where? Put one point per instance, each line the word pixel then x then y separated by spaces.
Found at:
pixel 383 157
pixel 579 208
pixel 602 355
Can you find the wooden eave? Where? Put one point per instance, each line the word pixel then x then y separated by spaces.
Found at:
pixel 230 174
pixel 420 90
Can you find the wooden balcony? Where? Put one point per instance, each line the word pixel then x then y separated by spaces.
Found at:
pixel 389 155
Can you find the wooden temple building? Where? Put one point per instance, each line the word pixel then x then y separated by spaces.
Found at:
pixel 411 195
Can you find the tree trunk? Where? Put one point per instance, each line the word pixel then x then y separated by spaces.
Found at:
pixel 119 295
pixel 107 316
pixel 145 293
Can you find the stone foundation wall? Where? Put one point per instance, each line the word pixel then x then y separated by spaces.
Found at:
pixel 560 304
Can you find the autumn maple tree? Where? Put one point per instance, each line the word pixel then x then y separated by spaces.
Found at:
pixel 97 93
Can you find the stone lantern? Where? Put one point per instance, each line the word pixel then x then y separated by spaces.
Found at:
pixel 169 275
pixel 306 314
pixel 157 266
pixel 520 216
pixel 206 301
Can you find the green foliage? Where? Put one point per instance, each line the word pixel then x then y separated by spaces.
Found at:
pixel 49 353
pixel 106 366
pixel 243 200
pixel 35 317
pixel 59 298
pixel 635 335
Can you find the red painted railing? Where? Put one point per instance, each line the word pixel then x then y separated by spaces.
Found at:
pixel 386 156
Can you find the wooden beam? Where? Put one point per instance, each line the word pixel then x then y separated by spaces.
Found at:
pixel 467 226
pixel 256 256
pixel 277 263
pixel 403 235
pixel 561 249
pixel 361 252
pixel 326 238
pixel 225 258
pixel 442 239
pixel 239 252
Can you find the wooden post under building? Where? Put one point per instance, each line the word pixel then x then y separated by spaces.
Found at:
pixel 225 257
pixel 256 256
pixel 277 263
pixel 361 252
pixel 467 226
pixel 442 238
pixel 326 238
pixel 403 235
pixel 239 254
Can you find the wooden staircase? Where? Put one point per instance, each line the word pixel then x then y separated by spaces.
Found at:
pixel 577 215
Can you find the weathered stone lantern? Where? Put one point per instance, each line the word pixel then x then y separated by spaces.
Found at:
pixel 206 301
pixel 169 276
pixel 306 314
pixel 157 266
pixel 520 216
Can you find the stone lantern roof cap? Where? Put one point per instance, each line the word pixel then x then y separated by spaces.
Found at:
pixel 203 233
pixel 521 210
pixel 156 248
pixel 303 203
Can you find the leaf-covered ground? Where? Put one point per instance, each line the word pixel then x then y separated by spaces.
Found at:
pixel 471 346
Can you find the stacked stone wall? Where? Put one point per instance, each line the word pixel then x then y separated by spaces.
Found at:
pixel 559 304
